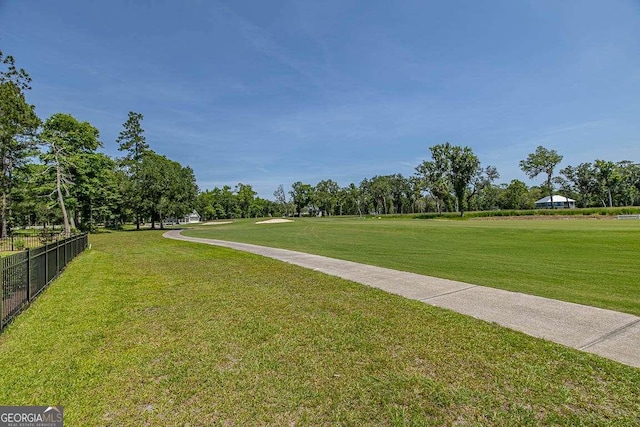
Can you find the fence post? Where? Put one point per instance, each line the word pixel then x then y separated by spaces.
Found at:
pixel 28 274
pixel 57 257
pixel 2 295
pixel 46 263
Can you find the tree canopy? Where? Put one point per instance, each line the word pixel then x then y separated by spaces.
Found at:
pixel 542 161
pixel 18 125
pixel 68 142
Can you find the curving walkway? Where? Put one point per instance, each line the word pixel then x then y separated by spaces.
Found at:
pixel 607 333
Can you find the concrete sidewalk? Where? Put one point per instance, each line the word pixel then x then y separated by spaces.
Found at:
pixel 604 332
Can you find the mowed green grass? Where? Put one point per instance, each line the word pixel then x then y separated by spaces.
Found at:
pixel 142 330
pixel 586 261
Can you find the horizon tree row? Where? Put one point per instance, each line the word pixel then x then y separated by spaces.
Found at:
pixel 228 203
pixel 454 180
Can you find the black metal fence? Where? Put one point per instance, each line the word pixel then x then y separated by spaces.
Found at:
pixel 19 242
pixel 26 274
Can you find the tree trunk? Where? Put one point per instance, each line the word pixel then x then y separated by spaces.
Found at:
pixel 65 218
pixel 4 215
pixel 5 193
pixel 550 191
pixel 72 221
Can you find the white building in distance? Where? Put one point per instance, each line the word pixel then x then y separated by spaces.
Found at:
pixel 559 202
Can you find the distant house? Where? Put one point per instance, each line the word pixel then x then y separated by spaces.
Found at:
pixel 559 202
pixel 191 218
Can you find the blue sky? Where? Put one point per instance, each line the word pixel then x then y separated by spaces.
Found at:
pixel 271 92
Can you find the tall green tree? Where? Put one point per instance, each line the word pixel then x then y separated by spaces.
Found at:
pixel 245 196
pixel 326 195
pixel 262 208
pixel 516 196
pixel 301 195
pixel 464 164
pixel 31 204
pixel 482 191
pixel 630 175
pixel 228 202
pixel 341 200
pixel 418 203
pixel 204 205
pixel 132 141
pixel 379 189
pixel 180 195
pixel 434 182
pixel 542 161
pixel 153 177
pixel 96 191
pixel 168 189
pixel 582 181
pixel 452 167
pixel 353 201
pixel 18 127
pixel 281 199
pixel 608 177
pixel 400 192
pixel 68 143
pixel 217 203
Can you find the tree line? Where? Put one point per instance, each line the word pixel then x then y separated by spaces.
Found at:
pixel 451 180
pixel 52 172
pixel 454 180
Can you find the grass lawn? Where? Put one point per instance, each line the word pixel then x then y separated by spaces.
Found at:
pixel 142 330
pixel 592 262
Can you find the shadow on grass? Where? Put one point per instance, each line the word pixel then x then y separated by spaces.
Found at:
pixel 150 229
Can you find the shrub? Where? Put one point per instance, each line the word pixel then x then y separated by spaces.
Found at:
pixel 629 210
pixel 19 244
